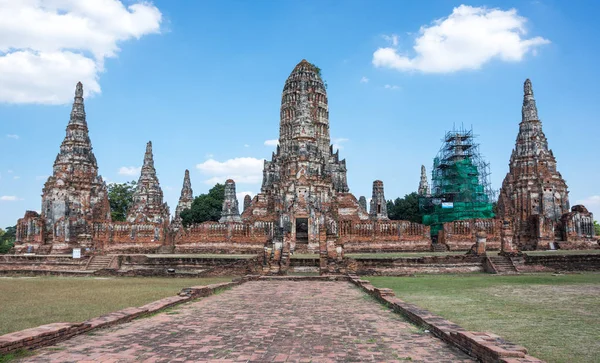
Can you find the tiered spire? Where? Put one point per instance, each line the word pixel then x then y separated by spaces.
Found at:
pixel 533 186
pixel 423 184
pixel 75 189
pixel 148 203
pixel 230 211
pixel 529 111
pixel 187 195
pixel 378 203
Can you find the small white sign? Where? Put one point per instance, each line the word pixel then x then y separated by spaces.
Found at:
pixel 447 205
pixel 76 252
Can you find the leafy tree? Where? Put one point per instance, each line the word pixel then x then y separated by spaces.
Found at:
pixel 7 238
pixel 205 207
pixel 120 197
pixel 405 209
pixel 596 229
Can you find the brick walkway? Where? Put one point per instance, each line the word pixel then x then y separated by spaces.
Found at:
pixel 263 321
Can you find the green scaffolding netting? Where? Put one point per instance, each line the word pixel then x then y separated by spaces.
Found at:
pixel 460 186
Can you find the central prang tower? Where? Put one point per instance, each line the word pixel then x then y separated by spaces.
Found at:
pixel 302 180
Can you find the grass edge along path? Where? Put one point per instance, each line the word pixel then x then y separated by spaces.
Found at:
pixel 31 302
pixel 555 317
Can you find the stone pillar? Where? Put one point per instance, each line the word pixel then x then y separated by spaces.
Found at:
pixel 481 237
pixel 506 237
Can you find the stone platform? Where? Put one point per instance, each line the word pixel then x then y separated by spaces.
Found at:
pixel 264 321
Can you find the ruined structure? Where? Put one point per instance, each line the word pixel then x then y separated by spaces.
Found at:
pixel 187 196
pixel 148 206
pixel 73 198
pixel 230 211
pixel 305 192
pixel 423 184
pixel 378 209
pixel 247 201
pixel 362 201
pixel 534 195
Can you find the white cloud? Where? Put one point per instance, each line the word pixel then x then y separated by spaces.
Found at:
pixel 392 39
pixel 273 142
pixel 9 198
pixel 9 171
pixel 246 145
pixel 467 39
pixel 209 156
pixel 130 170
pixel 364 80
pixel 337 142
pixel 16 177
pixel 12 136
pixel 392 87
pixel 46 46
pixel 242 170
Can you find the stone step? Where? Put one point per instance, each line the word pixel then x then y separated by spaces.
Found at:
pixel 99 262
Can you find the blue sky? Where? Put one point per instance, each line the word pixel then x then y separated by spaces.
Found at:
pixel 203 81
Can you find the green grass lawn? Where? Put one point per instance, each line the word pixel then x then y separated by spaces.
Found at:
pixel 562 252
pixel 556 317
pixel 29 302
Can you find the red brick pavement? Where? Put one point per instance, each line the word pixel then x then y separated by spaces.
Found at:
pixel 263 321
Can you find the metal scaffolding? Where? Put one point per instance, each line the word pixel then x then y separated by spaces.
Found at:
pixel 461 187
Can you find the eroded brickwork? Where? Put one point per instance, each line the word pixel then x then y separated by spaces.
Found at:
pixel 230 211
pixel 534 195
pixel 187 195
pixel 148 206
pixel 73 198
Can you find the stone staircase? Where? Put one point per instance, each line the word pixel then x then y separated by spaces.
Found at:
pixel 439 247
pixel 502 265
pixel 98 263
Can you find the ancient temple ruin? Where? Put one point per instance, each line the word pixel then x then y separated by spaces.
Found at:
pixel 305 204
pixel 187 196
pixel 305 190
pixel 73 198
pixel 148 206
pixel 534 195
pixel 231 210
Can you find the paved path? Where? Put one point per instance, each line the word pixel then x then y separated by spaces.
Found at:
pixel 263 321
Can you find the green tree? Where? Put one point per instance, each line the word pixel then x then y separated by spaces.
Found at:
pixel 205 207
pixel 405 209
pixel 120 197
pixel 7 238
pixel 596 229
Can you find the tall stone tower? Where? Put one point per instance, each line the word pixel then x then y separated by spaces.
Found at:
pixel 304 175
pixel 148 206
pixel 75 195
pixel 187 195
pixel 378 208
pixel 230 211
pixel 533 195
pixel 423 184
